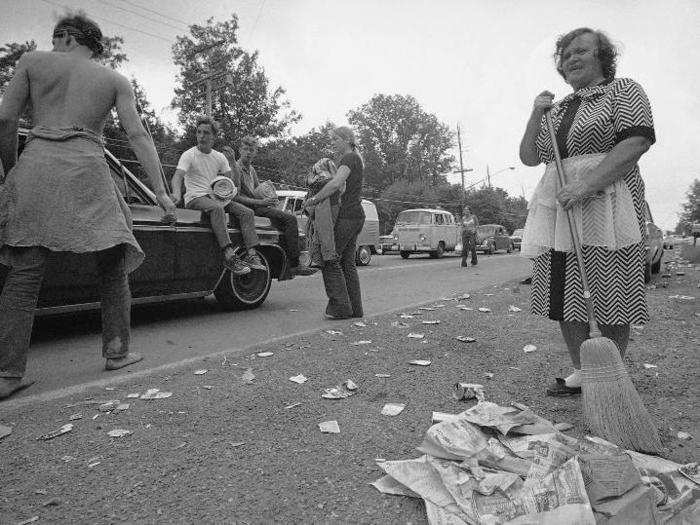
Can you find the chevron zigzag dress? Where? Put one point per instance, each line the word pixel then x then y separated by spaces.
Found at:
pixel 611 225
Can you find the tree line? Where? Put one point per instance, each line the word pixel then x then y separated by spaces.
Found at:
pixel 407 151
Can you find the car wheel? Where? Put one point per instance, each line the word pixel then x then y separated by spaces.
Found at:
pixel 491 249
pixel 363 256
pixel 647 273
pixel 510 248
pixel 439 252
pixel 656 267
pixel 404 255
pixel 244 292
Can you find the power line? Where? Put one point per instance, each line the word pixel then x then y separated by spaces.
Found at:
pixel 141 15
pixel 257 18
pixel 187 25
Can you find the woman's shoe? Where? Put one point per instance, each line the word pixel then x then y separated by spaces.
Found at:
pixel 560 389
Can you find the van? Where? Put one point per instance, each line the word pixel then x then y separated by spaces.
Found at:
pixel 426 230
pixel 292 201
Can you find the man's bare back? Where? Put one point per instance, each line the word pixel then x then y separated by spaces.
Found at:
pixel 68 90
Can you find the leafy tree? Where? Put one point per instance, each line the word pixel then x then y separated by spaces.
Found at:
pixel 401 141
pixel 691 209
pixel 242 99
pixel 9 55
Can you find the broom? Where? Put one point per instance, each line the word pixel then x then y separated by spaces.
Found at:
pixel 612 407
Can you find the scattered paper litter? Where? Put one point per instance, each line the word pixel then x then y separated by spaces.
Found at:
pixel 488 375
pixel 529 348
pixel 334 332
pixel 439 306
pixel 360 324
pixel 466 391
pixel 329 427
pixel 684 436
pixel 513 308
pixel 427 309
pixel 393 409
pixel 465 339
pixel 108 406
pixel 484 309
pixel 406 316
pixel 63 430
pixel 649 365
pixel 121 407
pixel 28 521
pixel 563 427
pixel 118 432
pixel 420 362
pixel 399 324
pixel 5 431
pixel 237 444
pixel 413 335
pixel 94 464
pixel 154 393
pixel 431 321
pixel 133 396
pixel 342 391
pixel 292 405
pixel 384 376
pixel 363 342
pixel 463 297
pixel 465 308
pixel 73 417
pixel 201 372
pixel 439 417
pixel 248 376
pixel 265 354
pixel 299 379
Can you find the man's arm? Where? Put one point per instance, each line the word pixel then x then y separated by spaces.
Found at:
pixel 333 185
pixel 176 183
pixel 141 142
pixel 13 103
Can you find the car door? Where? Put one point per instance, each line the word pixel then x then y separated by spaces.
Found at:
pixel 438 230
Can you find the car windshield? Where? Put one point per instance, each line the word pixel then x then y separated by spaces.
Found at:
pixel 518 233
pixel 486 230
pixel 413 217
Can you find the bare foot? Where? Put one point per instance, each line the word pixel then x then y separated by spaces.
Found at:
pixel 10 385
pixel 128 359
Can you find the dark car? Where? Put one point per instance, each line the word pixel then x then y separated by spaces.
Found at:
pixel 182 261
pixel 654 245
pixel 493 237
pixel 517 238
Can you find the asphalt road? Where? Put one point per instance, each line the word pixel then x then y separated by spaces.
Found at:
pixel 65 354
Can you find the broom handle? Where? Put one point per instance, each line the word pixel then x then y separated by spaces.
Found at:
pixel 593 327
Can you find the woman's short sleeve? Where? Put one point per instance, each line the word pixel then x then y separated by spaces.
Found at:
pixel 632 113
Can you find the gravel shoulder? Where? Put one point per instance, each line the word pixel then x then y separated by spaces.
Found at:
pixel 221 450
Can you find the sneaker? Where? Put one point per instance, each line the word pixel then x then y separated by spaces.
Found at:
pixel 236 265
pixel 254 262
pixel 302 270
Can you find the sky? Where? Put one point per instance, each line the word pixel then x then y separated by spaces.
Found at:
pixel 479 63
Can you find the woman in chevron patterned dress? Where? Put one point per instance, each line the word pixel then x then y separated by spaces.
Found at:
pixel 602 129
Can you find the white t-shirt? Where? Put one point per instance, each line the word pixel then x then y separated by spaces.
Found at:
pixel 200 170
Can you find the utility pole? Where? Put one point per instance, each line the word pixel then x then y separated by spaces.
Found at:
pixel 488 176
pixel 461 170
pixel 207 78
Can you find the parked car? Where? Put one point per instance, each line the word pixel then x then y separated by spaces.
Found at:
pixel 654 245
pixel 669 241
pixel 388 243
pixel 425 230
pixel 292 201
pixel 183 260
pixel 517 238
pixel 491 238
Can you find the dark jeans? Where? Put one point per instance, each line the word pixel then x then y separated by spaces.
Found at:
pixel 287 224
pixel 468 245
pixel 21 292
pixel 219 220
pixel 340 275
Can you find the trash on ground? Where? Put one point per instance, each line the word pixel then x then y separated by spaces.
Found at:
pixel 334 332
pixel 439 417
pixel 27 521
pixel 414 335
pixel 118 432
pixel 292 405
pixel 67 459
pixel 484 309
pixel 41 492
pixel 427 308
pixel 439 306
pixel 465 308
pixel 154 393
pixel 529 348
pixel 649 365
pixel 133 396
pixel 63 430
pixel 95 417
pixel 201 372
pixel 265 354
pixel 463 297
pixel 465 339
pixel 121 407
pixel 248 376
pixel 431 321
pixel 420 362
pixel 406 316
pixel 684 436
pixel 382 375
pixel 207 387
pixel 108 406
pixel 5 431
pixel 682 297
pixel 329 427
pixel 94 464
pixel 342 391
pixel 393 409
pixel 399 324
pixel 360 324
pixel 488 375
pixel 237 444
pixel 53 502
pixel 363 342
pixel 513 308
pixel 691 472
pixel 563 427
pixel 466 391
pixel 299 379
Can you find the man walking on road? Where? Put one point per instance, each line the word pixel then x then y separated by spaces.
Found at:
pixel 247 182
pixel 198 167
pixel 59 195
pixel 469 224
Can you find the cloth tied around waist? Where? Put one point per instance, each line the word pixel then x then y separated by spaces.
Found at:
pixel 61 134
pixel 606 219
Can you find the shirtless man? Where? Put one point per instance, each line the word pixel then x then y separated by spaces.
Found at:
pixel 59 195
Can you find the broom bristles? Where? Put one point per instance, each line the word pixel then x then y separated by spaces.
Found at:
pixel 612 407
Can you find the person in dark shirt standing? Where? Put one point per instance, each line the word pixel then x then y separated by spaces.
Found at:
pixel 340 275
pixel 469 225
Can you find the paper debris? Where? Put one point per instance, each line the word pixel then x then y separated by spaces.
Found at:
pixel 413 335
pixel 563 427
pixel 334 332
pixel 73 417
pixel 248 376
pixel 649 365
pixel 67 459
pixel 347 389
pixel 465 339
pixel 439 306
pixel 466 391
pixel 94 464
pixel 393 409
pixel 133 396
pixel 427 309
pixel 690 471
pixel 63 430
pixel 118 432
pixel 406 316
pixel 27 521
pixel 431 321
pixel 488 375
pixel 363 342
pixel 484 309
pixel 384 376
pixel 201 372
pixel 292 406
pixel 154 393
pixel 121 407
pixel 420 362
pixel 465 308
pixel 108 406
pixel 265 354
pixel 439 417
pixel 299 379
pixel 513 308
pixel 399 324
pixel 684 436
pixel 529 348
pixel 463 297
pixel 360 324
pixel 329 427
pixel 5 431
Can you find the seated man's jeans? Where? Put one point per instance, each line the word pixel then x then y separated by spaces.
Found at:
pixel 219 220
pixel 21 292
pixel 340 275
pixel 287 224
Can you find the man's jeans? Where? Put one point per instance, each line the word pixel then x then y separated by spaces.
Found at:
pixel 468 245
pixel 287 223
pixel 21 291
pixel 219 220
pixel 340 275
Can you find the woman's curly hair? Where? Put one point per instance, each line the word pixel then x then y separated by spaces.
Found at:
pixel 85 30
pixel 606 51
